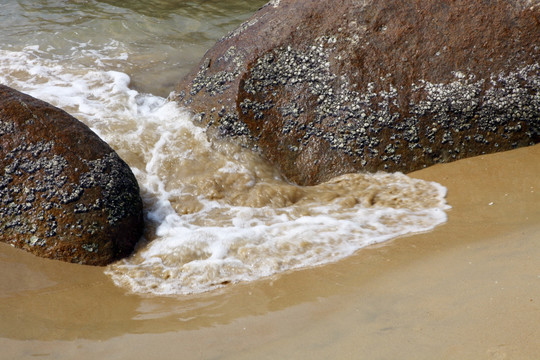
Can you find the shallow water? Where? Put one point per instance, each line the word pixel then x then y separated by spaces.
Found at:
pixel 216 213
pixel 154 41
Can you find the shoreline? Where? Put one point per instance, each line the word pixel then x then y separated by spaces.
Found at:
pixel 468 289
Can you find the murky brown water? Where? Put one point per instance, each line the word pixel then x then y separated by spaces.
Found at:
pixel 219 214
pixel 466 290
pixel 216 213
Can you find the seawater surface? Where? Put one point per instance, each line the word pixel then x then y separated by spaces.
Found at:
pixel 215 213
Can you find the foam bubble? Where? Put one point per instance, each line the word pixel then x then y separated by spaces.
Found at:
pixel 216 213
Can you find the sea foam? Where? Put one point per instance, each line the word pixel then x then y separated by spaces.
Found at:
pixel 215 213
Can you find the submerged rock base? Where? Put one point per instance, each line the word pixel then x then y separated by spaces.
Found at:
pixel 64 193
pixel 323 88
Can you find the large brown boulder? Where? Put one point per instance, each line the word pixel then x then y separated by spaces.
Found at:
pixel 324 87
pixel 64 193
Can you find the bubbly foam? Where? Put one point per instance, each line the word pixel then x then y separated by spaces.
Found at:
pixel 216 213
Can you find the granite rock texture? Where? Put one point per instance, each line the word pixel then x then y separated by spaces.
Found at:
pixel 64 193
pixel 323 88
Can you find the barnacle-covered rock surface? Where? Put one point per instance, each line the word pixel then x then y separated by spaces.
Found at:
pixel 64 193
pixel 323 88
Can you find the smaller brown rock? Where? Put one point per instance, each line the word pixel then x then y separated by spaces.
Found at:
pixel 64 193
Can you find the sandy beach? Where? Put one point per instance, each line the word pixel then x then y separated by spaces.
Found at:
pixel 470 289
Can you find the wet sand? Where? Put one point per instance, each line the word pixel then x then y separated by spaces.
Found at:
pixel 470 289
